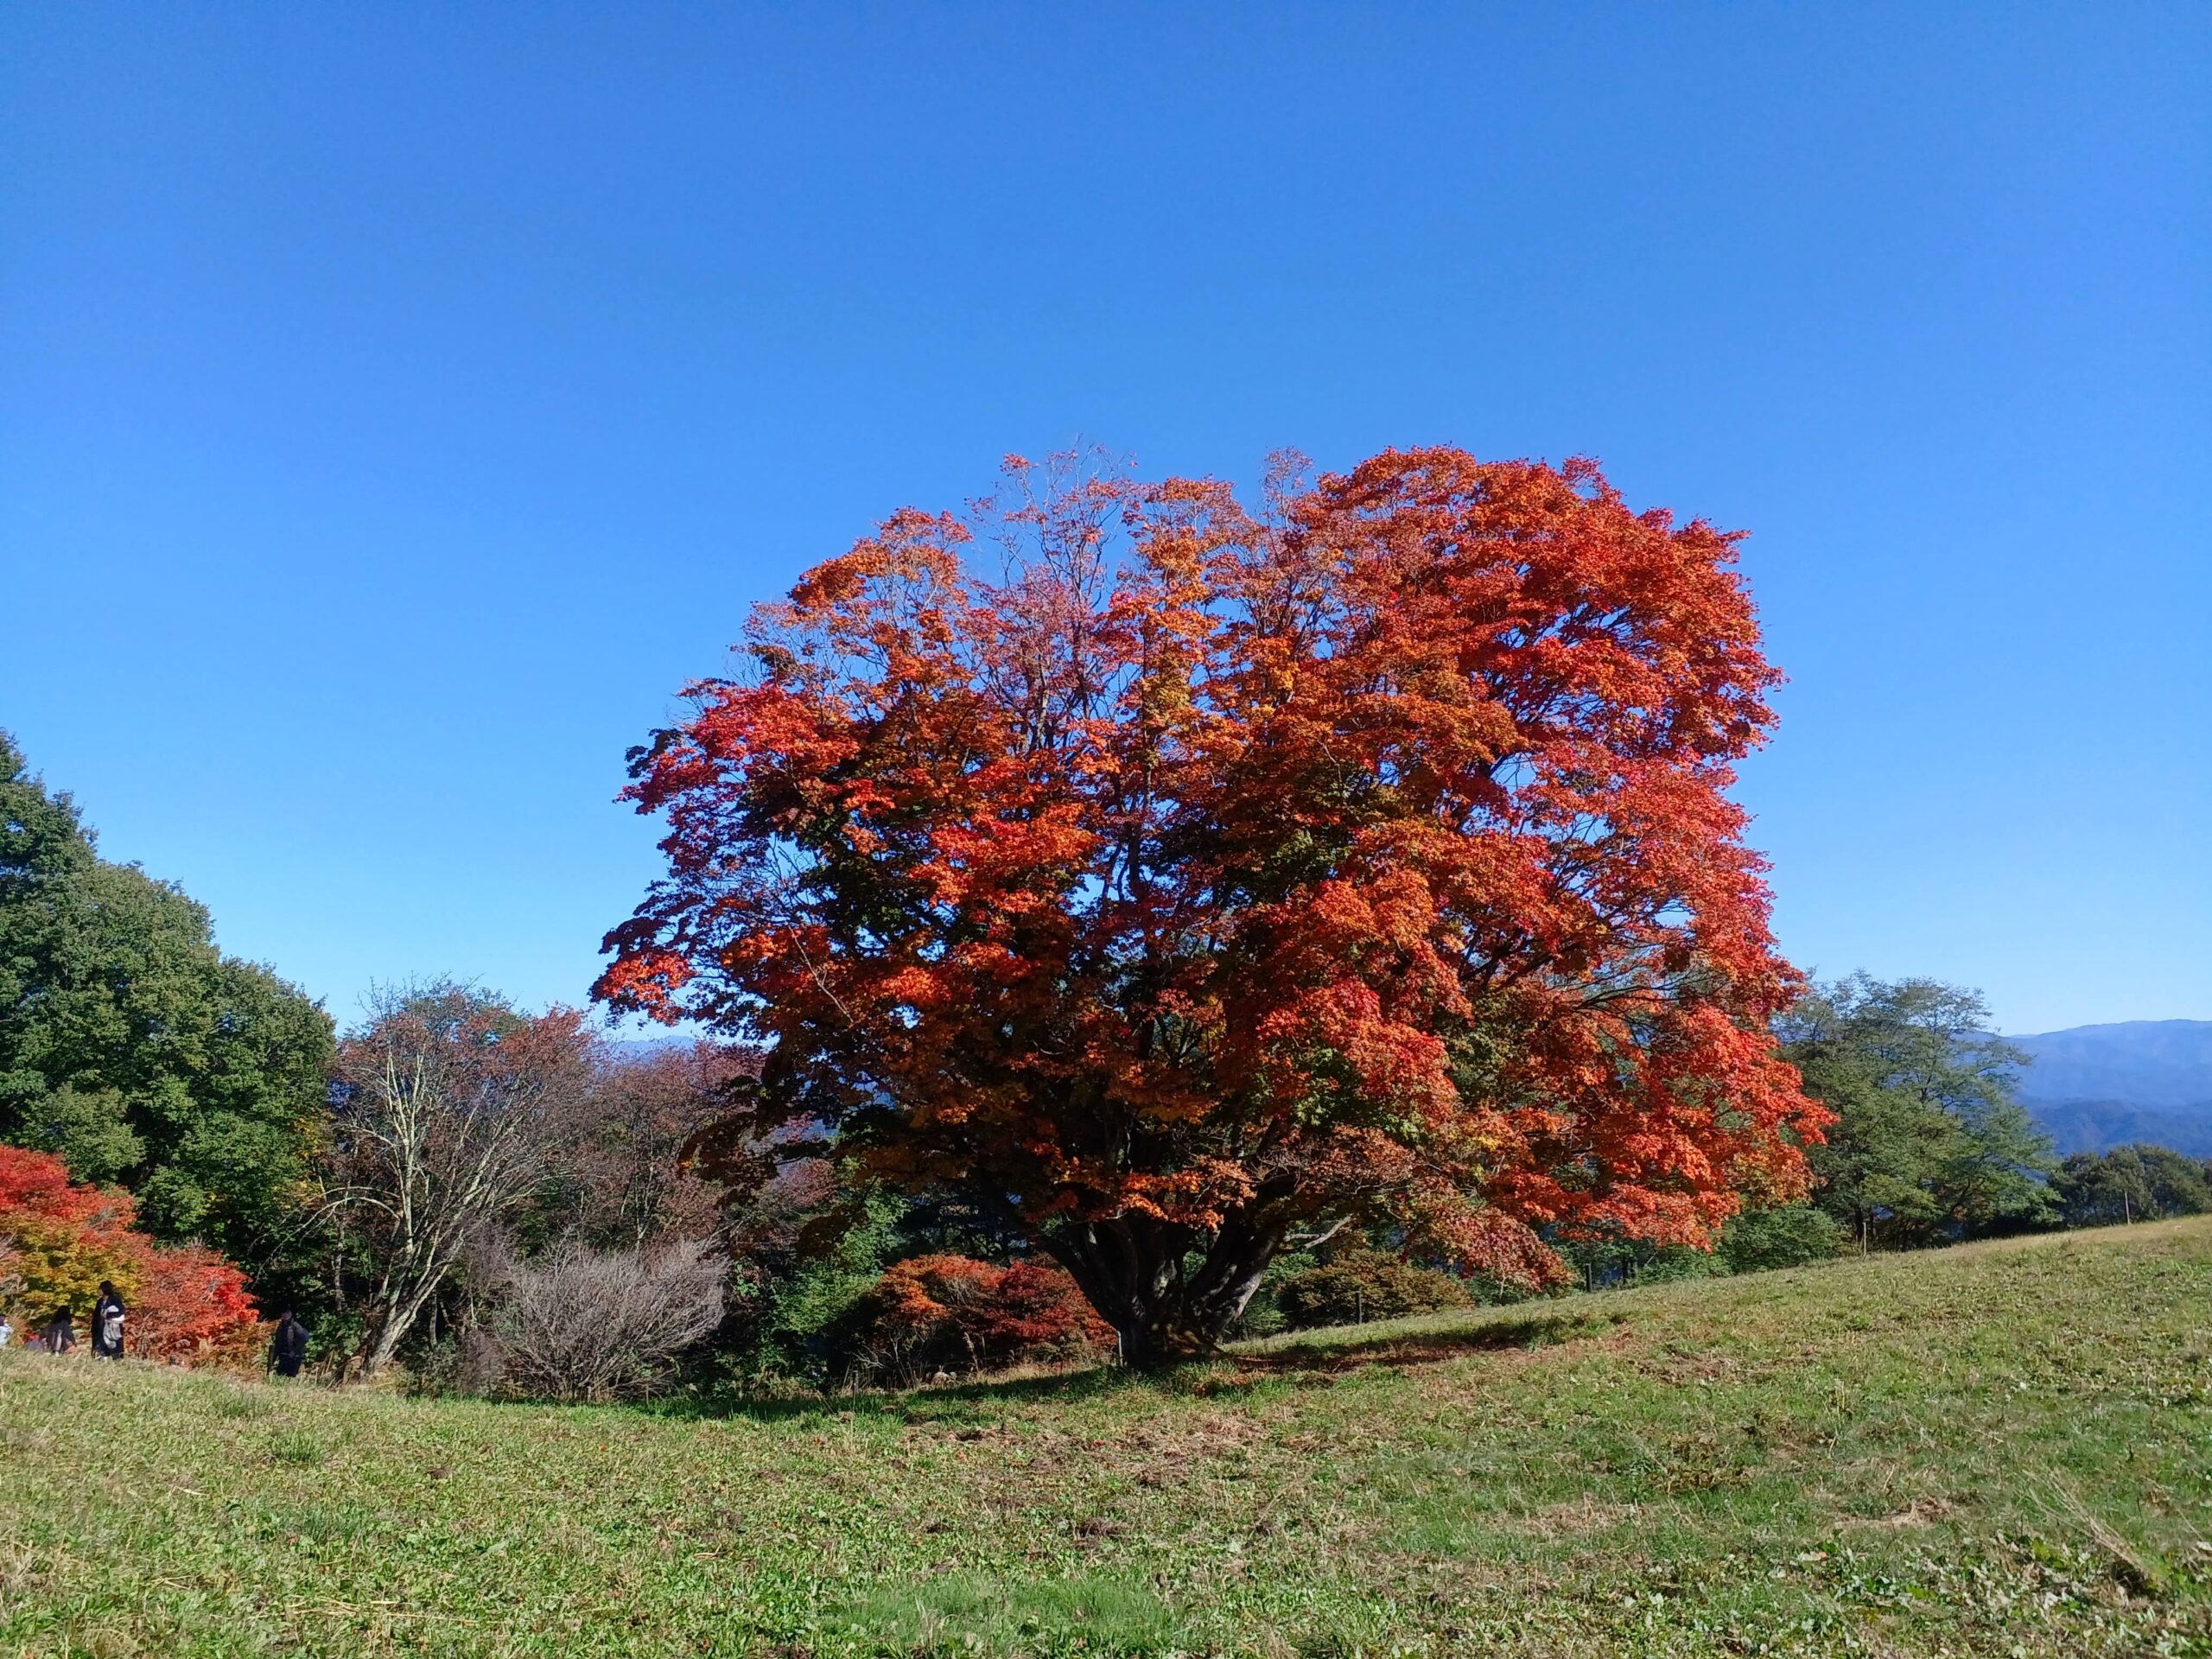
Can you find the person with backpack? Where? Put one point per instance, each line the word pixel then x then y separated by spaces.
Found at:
pixel 288 1348
pixel 107 1323
pixel 61 1332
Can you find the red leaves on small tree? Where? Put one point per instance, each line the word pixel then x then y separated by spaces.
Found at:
pixel 62 1239
pixel 1203 879
pixel 194 1304
pixel 934 1312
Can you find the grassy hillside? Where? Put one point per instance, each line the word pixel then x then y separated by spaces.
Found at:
pixel 2000 1450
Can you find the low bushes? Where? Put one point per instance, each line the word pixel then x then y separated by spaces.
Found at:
pixel 1793 1235
pixel 581 1324
pixel 194 1306
pixel 1355 1285
pixel 61 1238
pixel 953 1312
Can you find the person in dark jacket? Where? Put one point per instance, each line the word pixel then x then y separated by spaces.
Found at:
pixel 288 1349
pixel 61 1332
pixel 107 1323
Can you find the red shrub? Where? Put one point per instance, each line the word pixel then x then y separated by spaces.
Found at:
pixel 939 1312
pixel 59 1239
pixel 38 1184
pixel 194 1306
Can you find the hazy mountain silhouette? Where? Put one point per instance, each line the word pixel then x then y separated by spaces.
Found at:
pixel 2098 1086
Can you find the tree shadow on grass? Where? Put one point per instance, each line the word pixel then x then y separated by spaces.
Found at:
pixel 1342 1349
pixel 1320 1356
pixel 942 1403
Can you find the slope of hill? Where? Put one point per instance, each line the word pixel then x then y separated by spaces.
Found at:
pixel 1997 1449
pixel 2100 1086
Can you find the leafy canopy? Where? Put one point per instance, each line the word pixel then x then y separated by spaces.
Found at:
pixel 1929 1142
pixel 2132 1183
pixel 1175 877
pixel 134 1049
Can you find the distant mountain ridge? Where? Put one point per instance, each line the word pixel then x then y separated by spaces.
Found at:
pixel 2095 1087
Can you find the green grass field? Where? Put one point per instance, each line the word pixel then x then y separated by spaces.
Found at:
pixel 2002 1449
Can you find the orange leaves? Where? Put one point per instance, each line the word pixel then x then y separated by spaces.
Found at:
pixel 645 980
pixel 37 1183
pixel 952 1310
pixel 1194 867
pixel 61 1238
pixel 193 1305
pixel 1474 1239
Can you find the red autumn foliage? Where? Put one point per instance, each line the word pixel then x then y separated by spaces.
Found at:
pixel 38 1184
pixel 935 1312
pixel 1208 877
pixel 63 1238
pixel 193 1305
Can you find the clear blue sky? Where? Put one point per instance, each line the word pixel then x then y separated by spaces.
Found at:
pixel 398 404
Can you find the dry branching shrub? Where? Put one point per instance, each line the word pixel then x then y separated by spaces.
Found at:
pixel 577 1324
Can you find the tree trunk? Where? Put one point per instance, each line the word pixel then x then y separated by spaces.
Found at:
pixel 401 1308
pixel 1134 1270
pixel 380 1351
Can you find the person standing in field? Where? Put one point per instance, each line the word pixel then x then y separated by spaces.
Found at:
pixel 7 1332
pixel 61 1332
pixel 288 1348
pixel 107 1323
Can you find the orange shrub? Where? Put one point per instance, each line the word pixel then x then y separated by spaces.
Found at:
pixel 937 1312
pixel 59 1238
pixel 193 1307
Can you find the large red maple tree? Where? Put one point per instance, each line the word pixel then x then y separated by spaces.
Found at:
pixel 1177 882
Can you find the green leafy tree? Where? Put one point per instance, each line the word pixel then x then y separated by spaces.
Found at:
pixel 1791 1236
pixel 1930 1142
pixel 135 1051
pixel 803 1326
pixel 2129 1184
